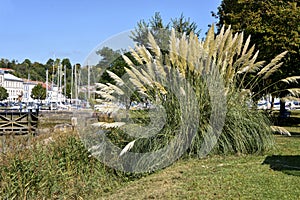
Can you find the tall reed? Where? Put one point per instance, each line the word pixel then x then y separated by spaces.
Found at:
pixel 62 168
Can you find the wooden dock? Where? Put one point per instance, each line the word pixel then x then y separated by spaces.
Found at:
pixel 17 122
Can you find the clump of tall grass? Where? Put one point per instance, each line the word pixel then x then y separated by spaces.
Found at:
pixel 60 169
pixel 218 70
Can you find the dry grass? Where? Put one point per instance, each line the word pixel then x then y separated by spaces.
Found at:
pixel 62 168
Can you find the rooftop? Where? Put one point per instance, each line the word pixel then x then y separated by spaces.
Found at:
pixel 11 77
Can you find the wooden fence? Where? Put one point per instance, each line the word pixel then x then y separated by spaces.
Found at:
pixel 17 122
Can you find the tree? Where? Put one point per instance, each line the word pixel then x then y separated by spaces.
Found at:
pixel 108 56
pixel 183 25
pixel 116 66
pixel 112 59
pixel 274 28
pixel 68 91
pixel 27 61
pixel 66 62
pixel 50 63
pixel 3 93
pixel 160 31
pixel 38 72
pixel 38 92
pixel 4 63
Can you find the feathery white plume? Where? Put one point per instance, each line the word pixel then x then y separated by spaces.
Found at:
pixel 127 147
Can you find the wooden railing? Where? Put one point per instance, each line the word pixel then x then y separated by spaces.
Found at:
pixel 17 122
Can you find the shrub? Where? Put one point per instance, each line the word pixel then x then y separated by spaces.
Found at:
pixel 61 168
pixel 208 82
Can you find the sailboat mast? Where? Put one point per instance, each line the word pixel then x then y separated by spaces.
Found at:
pixel 52 84
pixel 47 85
pixel 79 80
pixel 58 81
pixel 65 82
pixel 72 74
pixel 76 85
pixel 88 89
pixel 52 75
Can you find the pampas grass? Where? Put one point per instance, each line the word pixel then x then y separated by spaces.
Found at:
pixel 225 55
pixel 280 130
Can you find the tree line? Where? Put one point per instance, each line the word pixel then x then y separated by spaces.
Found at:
pixel 35 71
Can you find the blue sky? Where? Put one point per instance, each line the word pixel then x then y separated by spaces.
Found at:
pixel 39 30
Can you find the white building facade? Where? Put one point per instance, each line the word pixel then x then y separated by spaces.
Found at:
pixel 13 85
pixel 55 95
pixel 28 86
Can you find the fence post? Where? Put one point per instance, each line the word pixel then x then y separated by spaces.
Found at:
pixel 74 123
pixel 29 121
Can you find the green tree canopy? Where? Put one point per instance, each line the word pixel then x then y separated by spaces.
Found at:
pixel 50 63
pixel 4 63
pixel 68 90
pixel 274 27
pixel 161 30
pixel 38 92
pixel 114 63
pixel 3 93
pixel 108 55
pixel 66 62
pixel 112 59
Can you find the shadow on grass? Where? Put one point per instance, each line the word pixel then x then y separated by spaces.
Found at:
pixel 287 121
pixel 287 164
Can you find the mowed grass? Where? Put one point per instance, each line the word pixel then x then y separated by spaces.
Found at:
pixel 272 176
pixel 275 175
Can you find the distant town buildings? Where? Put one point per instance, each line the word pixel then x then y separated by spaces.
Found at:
pixel 12 84
pixel 28 86
pixel 54 95
pixel 16 87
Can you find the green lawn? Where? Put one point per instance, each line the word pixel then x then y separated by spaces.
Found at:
pixel 272 176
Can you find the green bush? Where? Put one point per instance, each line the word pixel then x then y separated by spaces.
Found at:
pixel 245 131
